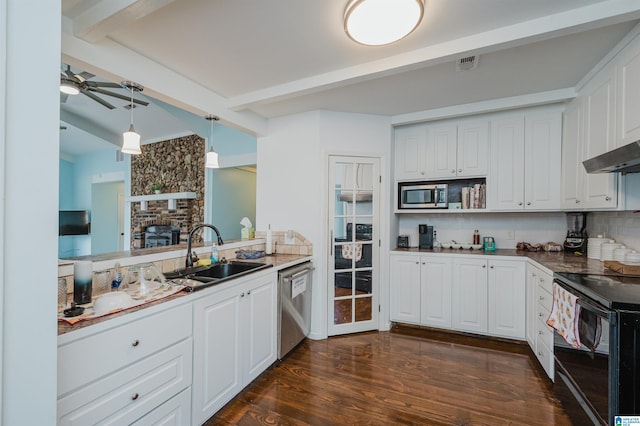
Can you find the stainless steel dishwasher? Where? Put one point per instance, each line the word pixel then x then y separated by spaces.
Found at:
pixel 294 306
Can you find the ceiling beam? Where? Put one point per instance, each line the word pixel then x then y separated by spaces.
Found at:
pixel 574 21
pixel 100 18
pixel 93 129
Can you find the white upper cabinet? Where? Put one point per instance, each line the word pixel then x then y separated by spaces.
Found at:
pixel 411 152
pixel 627 96
pixel 473 148
pixel 442 151
pixel 525 161
pixel 589 131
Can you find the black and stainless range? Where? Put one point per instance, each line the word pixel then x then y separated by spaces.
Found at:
pixel 596 385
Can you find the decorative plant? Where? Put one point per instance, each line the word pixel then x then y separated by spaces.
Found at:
pixel 156 187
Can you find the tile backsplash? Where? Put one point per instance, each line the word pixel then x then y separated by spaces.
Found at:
pixel 624 227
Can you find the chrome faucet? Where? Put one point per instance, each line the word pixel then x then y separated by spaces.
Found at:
pixel 191 257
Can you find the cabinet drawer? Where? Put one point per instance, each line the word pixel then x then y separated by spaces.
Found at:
pixel 129 393
pixel 175 412
pixel 97 355
pixel 544 298
pixel 544 332
pixel 545 281
pixel 545 356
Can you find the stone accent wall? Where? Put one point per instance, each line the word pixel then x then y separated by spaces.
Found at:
pixel 177 165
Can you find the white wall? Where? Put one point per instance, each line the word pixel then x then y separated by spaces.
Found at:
pixel 293 182
pixel 624 227
pixel 29 79
pixel 530 227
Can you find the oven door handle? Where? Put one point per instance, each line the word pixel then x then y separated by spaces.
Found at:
pixel 609 315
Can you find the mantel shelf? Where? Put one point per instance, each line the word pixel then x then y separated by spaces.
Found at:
pixel 171 197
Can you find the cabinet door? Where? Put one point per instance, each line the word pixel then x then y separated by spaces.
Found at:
pixel 441 151
pixel 506 180
pixel 405 289
pixel 410 152
pixel 435 291
pixel 473 148
pixel 627 99
pixel 572 135
pixel 507 299
pixel 469 295
pixel 542 167
pixel 600 190
pixel 174 412
pixel 217 356
pixel 260 318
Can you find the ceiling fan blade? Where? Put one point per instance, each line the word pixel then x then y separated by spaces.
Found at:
pixel 119 96
pixel 104 84
pixel 97 99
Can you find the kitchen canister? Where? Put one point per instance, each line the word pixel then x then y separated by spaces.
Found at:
pixel 82 275
pixel 489 244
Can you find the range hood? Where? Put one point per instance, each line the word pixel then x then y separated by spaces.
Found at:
pixel 625 159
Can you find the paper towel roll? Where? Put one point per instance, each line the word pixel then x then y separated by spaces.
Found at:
pixel 269 242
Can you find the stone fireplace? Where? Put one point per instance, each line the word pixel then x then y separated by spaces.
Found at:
pixel 177 165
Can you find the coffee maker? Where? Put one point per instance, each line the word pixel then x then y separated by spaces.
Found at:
pixel 425 237
pixel 576 240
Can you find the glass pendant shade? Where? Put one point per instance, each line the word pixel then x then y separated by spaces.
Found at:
pixel 380 22
pixel 131 142
pixel 212 160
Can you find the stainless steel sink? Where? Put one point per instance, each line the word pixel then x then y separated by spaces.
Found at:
pixel 204 276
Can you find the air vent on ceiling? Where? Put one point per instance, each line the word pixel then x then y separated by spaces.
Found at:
pixel 467 63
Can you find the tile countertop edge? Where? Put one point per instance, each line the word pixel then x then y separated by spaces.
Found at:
pixel 553 261
pixel 279 262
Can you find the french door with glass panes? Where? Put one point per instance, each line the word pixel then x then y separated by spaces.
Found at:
pixel 354 248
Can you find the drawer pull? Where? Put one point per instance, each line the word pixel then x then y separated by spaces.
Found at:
pixel 540 332
pixel 135 396
pixel 541 298
pixel 242 295
pixel 135 343
pixel 540 315
pixel 540 353
pixel 249 292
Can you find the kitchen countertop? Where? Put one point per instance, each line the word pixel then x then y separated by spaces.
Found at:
pixel 555 261
pixel 279 261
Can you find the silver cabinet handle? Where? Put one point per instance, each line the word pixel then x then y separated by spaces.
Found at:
pixel 459 170
pixel 577 201
pixel 453 170
pixel 607 198
pixel 135 396
pixel 135 343
pixel 520 203
pixel 528 203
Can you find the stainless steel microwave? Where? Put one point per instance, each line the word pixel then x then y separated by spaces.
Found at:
pixel 412 195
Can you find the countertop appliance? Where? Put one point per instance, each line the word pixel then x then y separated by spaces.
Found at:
pixel 597 384
pixel 576 240
pixel 294 306
pixel 422 195
pixel 625 159
pixel 425 236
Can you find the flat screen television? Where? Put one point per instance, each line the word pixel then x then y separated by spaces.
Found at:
pixel 74 222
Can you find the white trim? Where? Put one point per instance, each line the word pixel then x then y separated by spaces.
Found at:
pixel 168 137
pixel 3 117
pixel 495 105
pixel 239 160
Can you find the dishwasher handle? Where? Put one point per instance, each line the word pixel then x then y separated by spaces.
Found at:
pixel 298 274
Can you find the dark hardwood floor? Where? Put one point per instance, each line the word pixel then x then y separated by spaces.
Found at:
pixel 402 377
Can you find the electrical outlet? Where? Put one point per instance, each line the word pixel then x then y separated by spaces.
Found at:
pixel 511 235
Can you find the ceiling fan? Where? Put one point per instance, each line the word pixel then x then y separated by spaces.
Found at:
pixel 73 83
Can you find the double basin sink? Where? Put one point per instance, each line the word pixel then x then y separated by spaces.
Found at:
pixel 199 277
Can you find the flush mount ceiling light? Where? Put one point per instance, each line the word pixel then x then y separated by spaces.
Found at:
pixel 212 156
pixel 131 138
pixel 69 87
pixel 379 22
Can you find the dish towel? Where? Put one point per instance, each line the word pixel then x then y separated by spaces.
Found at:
pixel 565 315
pixel 352 251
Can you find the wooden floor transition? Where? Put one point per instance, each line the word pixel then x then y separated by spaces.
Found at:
pixel 402 377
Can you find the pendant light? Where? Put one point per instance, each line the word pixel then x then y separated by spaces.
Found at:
pixel 212 156
pixel 131 138
pixel 69 87
pixel 379 22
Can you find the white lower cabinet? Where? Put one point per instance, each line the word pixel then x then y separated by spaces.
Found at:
pixel 120 374
pixel 539 303
pixel 234 341
pixel 467 293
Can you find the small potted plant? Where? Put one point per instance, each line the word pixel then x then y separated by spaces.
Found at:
pixel 157 188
